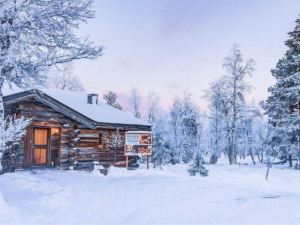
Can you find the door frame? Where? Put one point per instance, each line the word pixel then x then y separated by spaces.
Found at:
pixel 48 148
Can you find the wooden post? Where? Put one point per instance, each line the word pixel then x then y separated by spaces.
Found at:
pixel 126 161
pixel 147 162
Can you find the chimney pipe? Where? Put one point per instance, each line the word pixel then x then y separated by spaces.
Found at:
pixel 92 99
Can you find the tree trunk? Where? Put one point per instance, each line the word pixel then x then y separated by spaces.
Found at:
pixel 115 156
pixel 252 156
pixel 1 99
pixel 213 159
pixel 258 156
pixel 290 160
pixel 230 154
pixel 1 118
pixel 234 120
pixel 267 174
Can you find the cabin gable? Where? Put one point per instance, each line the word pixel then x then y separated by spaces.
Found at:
pixel 37 96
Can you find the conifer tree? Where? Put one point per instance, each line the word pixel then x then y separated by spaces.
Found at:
pixel 111 99
pixel 186 128
pixel 161 147
pixel 197 165
pixel 283 105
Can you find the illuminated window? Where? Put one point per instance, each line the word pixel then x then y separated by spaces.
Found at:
pixel 54 131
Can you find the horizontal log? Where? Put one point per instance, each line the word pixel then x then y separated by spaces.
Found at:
pixel 89 135
pixel 89 140
pixel 87 144
pixel 89 131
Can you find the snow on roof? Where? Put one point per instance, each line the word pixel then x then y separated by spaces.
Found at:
pixel 102 112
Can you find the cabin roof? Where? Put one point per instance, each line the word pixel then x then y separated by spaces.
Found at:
pixel 74 105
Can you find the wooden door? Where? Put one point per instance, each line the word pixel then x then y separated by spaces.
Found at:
pixel 40 146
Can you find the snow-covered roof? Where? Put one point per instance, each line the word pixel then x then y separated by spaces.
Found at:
pixel 101 112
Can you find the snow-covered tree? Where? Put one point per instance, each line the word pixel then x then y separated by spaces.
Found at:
pixel 218 118
pixel 152 107
pixel 115 141
pixel 185 127
pixel 248 133
pixel 161 146
pixel 197 165
pixel 227 107
pixel 35 35
pixel 63 78
pixel 283 104
pixel 12 129
pixel 135 102
pixel 111 99
pixel 237 72
pixel 175 130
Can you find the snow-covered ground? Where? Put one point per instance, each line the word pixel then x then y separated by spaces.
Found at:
pixel 229 195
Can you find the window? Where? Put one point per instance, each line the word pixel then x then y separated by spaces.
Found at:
pixel 54 131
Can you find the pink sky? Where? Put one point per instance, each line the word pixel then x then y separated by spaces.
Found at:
pixel 167 46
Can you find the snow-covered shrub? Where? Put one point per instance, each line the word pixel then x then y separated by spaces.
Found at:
pixel 115 141
pixel 12 129
pixel 197 165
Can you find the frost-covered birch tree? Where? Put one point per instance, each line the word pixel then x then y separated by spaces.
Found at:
pixel 217 96
pixel 61 77
pixel 35 35
pixel 135 102
pixel 152 107
pixel 248 132
pixel 237 71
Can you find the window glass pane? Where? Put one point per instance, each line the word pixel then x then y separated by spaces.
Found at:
pixel 54 131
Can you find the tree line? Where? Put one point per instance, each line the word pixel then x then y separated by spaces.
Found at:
pixel 267 132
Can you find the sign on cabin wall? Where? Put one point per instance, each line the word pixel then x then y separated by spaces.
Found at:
pixel 138 142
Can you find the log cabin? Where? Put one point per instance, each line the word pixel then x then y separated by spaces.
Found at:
pixel 66 129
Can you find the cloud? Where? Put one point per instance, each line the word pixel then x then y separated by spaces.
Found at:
pixel 179 17
pixel 175 85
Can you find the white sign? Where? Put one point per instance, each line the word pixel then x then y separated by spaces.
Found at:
pixel 132 139
pixel 138 143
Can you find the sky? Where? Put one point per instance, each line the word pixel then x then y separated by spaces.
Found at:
pixel 167 46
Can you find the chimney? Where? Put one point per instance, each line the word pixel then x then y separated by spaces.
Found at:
pixel 92 99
